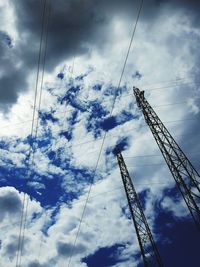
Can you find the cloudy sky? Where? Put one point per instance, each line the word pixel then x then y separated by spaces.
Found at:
pixel 72 54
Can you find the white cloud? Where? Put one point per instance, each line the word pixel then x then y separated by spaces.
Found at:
pixel 176 207
pixel 156 56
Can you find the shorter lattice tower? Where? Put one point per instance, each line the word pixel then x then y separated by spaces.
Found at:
pixel 147 244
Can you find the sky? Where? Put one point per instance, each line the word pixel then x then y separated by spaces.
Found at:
pixel 60 161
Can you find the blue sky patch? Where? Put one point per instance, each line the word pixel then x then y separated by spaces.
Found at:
pixel 123 143
pixel 97 87
pixel 137 75
pixel 143 195
pixel 82 76
pixel 6 39
pixel 4 144
pixel 114 121
pixel 95 116
pixel 61 75
pixel 172 235
pixel 69 95
pixel 71 98
pixel 114 91
pixel 47 116
pixel 67 134
pixel 104 257
pixel 73 118
pixel 109 123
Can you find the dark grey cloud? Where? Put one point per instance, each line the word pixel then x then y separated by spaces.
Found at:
pixel 37 264
pixel 5 39
pixel 12 77
pixel 65 249
pixel 191 9
pixel 10 248
pixel 10 203
pixel 13 82
pixel 75 27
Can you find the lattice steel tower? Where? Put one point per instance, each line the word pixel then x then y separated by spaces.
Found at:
pixel 184 173
pixel 148 247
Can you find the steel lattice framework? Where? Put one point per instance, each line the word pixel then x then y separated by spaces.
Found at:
pixel 186 176
pixel 148 247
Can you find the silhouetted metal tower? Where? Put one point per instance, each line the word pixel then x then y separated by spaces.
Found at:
pixel 148 247
pixel 184 173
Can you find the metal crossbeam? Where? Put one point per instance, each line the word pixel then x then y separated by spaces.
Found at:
pixel 184 173
pixel 147 245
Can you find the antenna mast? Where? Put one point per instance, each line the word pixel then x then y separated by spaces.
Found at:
pixel 184 173
pixel 148 247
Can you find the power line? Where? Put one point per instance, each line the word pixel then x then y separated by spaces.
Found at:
pixel 153 155
pixel 72 109
pixel 130 94
pixel 141 156
pixel 41 240
pixel 89 191
pixel 194 97
pixel 32 125
pixel 39 106
pixel 168 81
pixel 129 130
pixel 87 110
pixel 145 165
pixel 169 86
pixel 97 195
pixel 154 89
pixel 136 156
pixel 26 199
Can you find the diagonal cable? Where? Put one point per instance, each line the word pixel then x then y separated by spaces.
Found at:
pixel 101 148
pixel 19 246
pixel 31 150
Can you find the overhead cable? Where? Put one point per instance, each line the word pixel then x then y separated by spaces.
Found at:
pixel 101 148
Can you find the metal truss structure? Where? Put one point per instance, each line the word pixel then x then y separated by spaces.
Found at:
pixel 147 245
pixel 186 176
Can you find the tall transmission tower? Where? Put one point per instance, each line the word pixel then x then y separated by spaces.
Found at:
pixel 148 247
pixel 186 176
